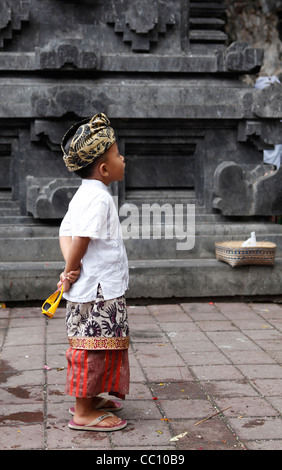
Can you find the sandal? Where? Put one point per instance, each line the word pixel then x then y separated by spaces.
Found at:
pixel 93 425
pixel 117 407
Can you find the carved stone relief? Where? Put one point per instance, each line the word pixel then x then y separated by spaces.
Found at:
pixel 140 23
pixel 12 14
pixel 256 187
pixel 69 54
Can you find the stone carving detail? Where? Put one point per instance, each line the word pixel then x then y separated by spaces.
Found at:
pixel 12 13
pixel 241 190
pixel 66 55
pixel 269 102
pixel 240 57
pixel 59 101
pixel 229 179
pixel 140 22
pixel 263 134
pixel 49 198
pixel 257 186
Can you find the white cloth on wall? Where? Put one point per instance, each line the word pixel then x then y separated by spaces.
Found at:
pixel 272 157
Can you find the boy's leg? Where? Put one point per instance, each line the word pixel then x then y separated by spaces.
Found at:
pixel 104 403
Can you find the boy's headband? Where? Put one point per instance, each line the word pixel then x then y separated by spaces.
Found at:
pixel 89 139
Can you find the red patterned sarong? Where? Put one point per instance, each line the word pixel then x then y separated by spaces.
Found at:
pixel 92 372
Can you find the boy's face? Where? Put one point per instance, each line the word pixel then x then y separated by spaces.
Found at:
pixel 114 164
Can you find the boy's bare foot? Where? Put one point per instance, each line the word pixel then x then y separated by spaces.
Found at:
pixel 108 421
pixel 85 415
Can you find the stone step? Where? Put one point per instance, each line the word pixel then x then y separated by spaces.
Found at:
pixel 202 247
pixel 17 220
pixel 8 206
pixel 30 249
pixel 156 279
pixel 202 278
pixel 9 211
pixel 41 243
pixel 28 231
pixel 202 226
pixel 47 249
pixel 6 203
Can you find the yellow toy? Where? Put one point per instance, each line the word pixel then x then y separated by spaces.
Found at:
pixel 53 301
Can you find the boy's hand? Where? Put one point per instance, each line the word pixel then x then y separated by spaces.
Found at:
pixel 68 279
pixel 66 283
pixel 72 276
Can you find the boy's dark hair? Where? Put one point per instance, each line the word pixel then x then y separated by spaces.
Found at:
pixel 86 172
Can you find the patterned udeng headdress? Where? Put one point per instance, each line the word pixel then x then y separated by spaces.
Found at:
pixel 89 139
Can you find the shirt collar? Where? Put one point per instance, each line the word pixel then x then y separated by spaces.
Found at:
pixel 95 183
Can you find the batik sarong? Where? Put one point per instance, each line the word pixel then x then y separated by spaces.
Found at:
pixel 98 334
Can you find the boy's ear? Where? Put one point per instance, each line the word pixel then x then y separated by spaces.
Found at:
pixel 103 169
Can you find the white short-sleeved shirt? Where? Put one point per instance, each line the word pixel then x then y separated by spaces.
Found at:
pixel 92 213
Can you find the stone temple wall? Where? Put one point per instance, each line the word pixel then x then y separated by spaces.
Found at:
pixel 192 132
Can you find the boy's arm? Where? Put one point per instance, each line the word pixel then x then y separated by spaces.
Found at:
pixel 65 243
pixel 75 250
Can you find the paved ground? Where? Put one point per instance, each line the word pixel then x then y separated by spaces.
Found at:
pixel 188 361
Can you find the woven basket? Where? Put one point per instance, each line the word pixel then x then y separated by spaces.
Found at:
pixel 234 254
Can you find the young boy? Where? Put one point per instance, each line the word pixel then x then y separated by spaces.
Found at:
pixel 92 246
